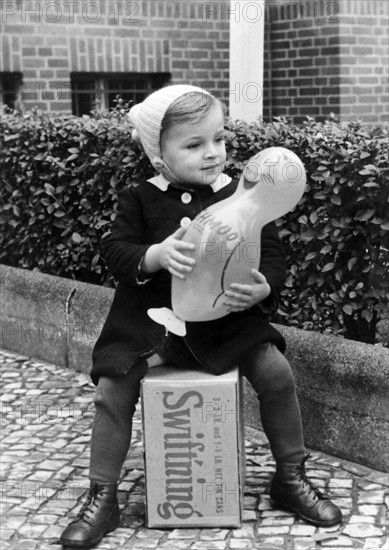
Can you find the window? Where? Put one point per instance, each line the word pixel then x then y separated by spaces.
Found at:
pixel 10 89
pixel 134 87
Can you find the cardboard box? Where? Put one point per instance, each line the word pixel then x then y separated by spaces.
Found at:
pixel 194 448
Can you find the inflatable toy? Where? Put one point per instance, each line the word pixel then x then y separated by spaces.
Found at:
pixel 227 237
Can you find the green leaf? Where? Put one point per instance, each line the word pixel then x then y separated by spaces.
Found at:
pixel 335 297
pixel 72 157
pixel 76 237
pixel 368 170
pixel 50 190
pixel 83 219
pixel 328 267
pixel 284 233
pixel 370 184
pixel 368 315
pixel 10 138
pixel 335 199
pixel 307 235
pixel 351 263
pixel 310 256
pixel 61 223
pixel 364 215
pixel 327 248
pixel 348 309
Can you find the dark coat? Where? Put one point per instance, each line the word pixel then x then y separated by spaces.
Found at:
pixel 147 215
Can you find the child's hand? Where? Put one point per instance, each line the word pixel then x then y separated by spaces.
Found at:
pixel 169 254
pixel 241 297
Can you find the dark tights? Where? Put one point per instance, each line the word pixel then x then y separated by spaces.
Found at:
pixel 266 369
pixel 270 374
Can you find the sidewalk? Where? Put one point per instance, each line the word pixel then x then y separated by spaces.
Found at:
pixel 46 420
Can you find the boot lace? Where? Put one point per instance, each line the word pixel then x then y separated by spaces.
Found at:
pixel 308 483
pixel 90 505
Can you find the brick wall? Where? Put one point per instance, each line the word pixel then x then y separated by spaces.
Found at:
pixel 47 40
pixel 301 63
pixel 320 57
pixel 327 57
pixel 364 58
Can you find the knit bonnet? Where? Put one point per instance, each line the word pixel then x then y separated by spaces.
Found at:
pixel 146 117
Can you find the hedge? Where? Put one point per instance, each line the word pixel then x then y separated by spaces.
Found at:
pixel 60 176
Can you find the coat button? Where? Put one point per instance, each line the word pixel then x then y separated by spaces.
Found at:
pixel 186 198
pixel 185 222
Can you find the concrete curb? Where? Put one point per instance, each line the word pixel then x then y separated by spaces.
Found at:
pixel 343 385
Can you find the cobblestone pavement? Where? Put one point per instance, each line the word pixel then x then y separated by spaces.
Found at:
pixel 46 422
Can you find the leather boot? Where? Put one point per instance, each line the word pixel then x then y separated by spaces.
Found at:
pixel 292 490
pixel 98 515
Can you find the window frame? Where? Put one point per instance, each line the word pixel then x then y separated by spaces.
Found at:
pixel 14 78
pixel 104 85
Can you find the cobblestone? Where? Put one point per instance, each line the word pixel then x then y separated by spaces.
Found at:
pixel 339 542
pixel 363 530
pixel 213 534
pixel 209 545
pixel 46 424
pixel 302 530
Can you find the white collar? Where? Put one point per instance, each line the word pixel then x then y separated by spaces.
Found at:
pixel 162 183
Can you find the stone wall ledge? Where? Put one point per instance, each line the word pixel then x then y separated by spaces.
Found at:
pixel 342 385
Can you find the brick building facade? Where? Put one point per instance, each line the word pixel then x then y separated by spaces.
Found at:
pixel 320 57
pixel 327 57
pixel 64 46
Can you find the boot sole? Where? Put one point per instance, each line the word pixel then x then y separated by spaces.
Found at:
pixel 291 508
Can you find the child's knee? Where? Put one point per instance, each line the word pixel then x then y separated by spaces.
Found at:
pixel 272 376
pixel 281 379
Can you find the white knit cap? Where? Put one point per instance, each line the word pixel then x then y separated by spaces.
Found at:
pixel 147 117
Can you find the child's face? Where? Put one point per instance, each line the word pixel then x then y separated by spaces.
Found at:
pixel 196 153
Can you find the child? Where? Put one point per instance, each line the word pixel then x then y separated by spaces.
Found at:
pixel 181 130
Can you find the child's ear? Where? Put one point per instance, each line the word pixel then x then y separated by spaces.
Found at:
pixel 158 164
pixel 164 169
pixel 135 136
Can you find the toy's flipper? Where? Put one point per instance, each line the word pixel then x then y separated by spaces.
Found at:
pixel 165 316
